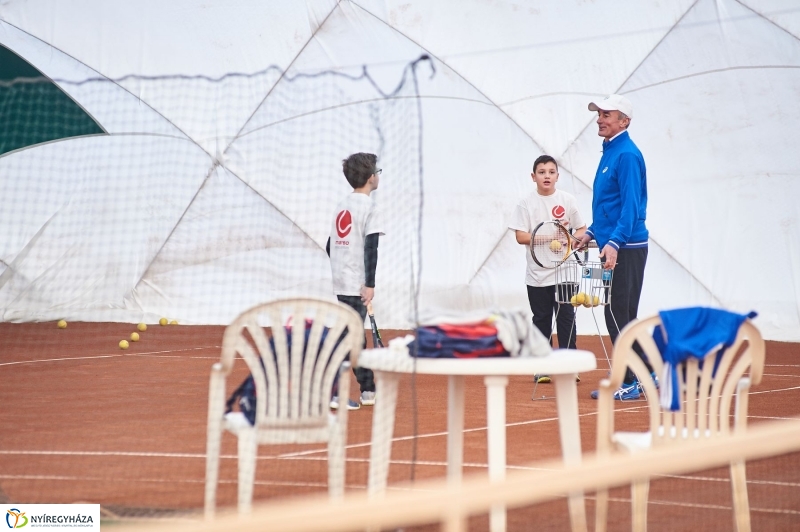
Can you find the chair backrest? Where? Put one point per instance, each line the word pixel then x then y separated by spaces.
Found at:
pixel 301 344
pixel 706 389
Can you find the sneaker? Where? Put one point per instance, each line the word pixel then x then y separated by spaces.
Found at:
pixel 367 398
pixel 655 380
pixel 351 405
pixel 542 379
pixel 626 392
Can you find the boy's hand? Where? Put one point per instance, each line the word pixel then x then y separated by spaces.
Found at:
pixel 583 242
pixel 367 293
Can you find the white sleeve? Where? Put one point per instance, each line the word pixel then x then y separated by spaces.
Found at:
pixel 374 222
pixel 520 220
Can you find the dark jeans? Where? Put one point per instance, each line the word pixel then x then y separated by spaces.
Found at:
pixel 364 376
pixel 626 289
pixel 543 303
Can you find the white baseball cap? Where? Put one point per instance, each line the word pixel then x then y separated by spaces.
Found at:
pixel 614 102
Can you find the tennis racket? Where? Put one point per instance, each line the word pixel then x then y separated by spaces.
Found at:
pixel 552 245
pixel 376 334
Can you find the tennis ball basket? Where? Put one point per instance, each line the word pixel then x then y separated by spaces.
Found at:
pixel 583 283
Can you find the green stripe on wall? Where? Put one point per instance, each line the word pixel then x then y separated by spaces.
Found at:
pixel 33 109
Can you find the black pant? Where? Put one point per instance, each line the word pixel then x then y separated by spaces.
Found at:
pixel 364 376
pixel 543 303
pixel 626 289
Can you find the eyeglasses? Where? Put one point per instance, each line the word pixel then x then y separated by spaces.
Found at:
pixel 378 171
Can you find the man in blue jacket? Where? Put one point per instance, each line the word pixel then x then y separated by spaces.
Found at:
pixel 619 209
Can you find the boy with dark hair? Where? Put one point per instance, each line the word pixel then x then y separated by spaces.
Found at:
pixel 544 204
pixel 353 249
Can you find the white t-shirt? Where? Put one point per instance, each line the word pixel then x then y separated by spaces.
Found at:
pixel 536 209
pixel 356 217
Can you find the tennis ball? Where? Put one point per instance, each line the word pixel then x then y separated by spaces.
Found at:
pixel 173 322
pixel 142 327
pixel 555 245
pixel 163 321
pixel 574 301
pixel 134 337
pixel 596 301
pixel 123 344
pixel 580 298
pixel 62 324
pixel 588 302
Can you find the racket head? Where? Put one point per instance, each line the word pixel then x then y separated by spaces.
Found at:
pixel 550 245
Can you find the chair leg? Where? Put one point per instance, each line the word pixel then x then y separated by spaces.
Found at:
pixel 741 506
pixel 212 471
pixel 216 411
pixel 601 511
pixel 248 447
pixel 338 440
pixel 336 463
pixel 639 492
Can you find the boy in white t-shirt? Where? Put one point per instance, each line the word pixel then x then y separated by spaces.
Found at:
pixel 544 204
pixel 353 249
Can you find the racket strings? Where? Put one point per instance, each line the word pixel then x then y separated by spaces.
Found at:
pixel 550 244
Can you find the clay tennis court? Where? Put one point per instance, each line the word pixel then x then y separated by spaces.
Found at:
pixel 84 421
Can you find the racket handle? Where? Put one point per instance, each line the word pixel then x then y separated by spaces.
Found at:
pixel 369 308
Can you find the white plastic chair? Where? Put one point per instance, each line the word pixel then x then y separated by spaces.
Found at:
pixel 704 412
pixel 297 387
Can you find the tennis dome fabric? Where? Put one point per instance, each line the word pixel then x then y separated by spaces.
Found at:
pixel 714 84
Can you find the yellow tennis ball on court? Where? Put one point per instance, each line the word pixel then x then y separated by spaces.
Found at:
pixel 62 324
pixel 173 322
pixel 134 337
pixel 595 301
pixel 555 245
pixel 163 321
pixel 142 327
pixel 123 344
pixel 574 301
pixel 588 302
pixel 580 298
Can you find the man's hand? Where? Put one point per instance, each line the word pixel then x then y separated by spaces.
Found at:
pixel 367 294
pixel 610 254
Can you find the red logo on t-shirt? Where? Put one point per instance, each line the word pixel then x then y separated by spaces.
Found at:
pixel 558 212
pixel 344 222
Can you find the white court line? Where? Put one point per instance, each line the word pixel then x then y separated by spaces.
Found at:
pixel 106 453
pixel 148 353
pixel 705 506
pixel 157 480
pixel 775 391
pixel 429 435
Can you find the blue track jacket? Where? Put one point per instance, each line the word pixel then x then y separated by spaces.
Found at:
pixel 619 202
